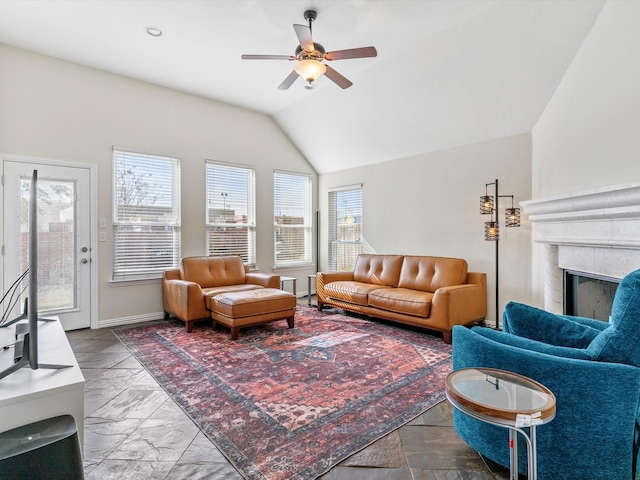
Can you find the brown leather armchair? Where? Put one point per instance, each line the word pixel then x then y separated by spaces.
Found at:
pixel 184 289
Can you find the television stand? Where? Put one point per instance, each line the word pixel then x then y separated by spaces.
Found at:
pixel 27 395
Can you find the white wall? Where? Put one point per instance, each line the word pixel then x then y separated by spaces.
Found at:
pixel 59 110
pixel 589 134
pixel 429 205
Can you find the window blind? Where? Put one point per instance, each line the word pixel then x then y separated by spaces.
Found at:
pixel 146 215
pixel 292 219
pixel 345 228
pixel 230 210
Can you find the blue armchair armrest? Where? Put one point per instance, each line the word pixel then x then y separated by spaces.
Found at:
pixel 594 432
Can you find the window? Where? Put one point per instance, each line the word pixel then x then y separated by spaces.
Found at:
pixel 345 227
pixel 146 215
pixel 292 219
pixel 231 211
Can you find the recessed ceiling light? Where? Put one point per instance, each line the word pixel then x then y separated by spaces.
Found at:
pixel 154 31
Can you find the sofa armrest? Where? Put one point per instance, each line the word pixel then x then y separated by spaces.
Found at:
pixel 184 299
pixel 324 278
pixel 458 305
pixel 265 280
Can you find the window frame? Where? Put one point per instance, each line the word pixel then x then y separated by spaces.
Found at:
pixel 282 201
pixel 129 243
pixel 234 196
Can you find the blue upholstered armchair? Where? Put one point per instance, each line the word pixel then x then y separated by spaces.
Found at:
pixel 592 367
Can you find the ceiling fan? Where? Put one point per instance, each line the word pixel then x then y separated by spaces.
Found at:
pixel 310 55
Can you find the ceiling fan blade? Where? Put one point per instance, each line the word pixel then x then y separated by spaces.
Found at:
pixel 337 78
pixel 287 82
pixel 268 57
pixel 304 36
pixel 362 52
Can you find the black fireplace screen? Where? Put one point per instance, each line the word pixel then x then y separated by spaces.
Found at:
pixel 587 295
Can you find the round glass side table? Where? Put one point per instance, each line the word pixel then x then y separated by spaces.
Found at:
pixel 507 400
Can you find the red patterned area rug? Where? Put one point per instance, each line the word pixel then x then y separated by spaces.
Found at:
pixel 284 404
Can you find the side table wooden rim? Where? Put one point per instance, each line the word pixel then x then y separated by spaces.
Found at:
pixel 548 410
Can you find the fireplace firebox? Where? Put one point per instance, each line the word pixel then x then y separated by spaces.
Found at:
pixel 588 295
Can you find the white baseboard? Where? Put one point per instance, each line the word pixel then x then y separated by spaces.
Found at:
pixel 115 322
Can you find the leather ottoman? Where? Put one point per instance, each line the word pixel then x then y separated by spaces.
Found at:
pixel 246 308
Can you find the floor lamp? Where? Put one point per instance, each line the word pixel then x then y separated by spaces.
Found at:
pixel 489 206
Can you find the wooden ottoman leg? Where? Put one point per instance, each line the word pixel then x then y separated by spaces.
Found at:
pixel 290 321
pixel 235 331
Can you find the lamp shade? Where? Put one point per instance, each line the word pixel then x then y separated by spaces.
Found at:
pixel 491 231
pixel 310 70
pixel 512 217
pixel 486 204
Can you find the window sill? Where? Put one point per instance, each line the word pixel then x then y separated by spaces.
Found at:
pixel 134 281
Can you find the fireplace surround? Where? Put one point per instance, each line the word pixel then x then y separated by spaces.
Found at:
pixel 594 231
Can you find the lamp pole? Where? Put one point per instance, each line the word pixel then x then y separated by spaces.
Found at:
pixel 497 264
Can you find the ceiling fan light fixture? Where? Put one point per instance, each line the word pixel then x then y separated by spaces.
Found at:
pixel 310 70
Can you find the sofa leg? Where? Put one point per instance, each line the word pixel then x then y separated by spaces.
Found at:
pixel 235 331
pixel 320 305
pixel 189 326
pixel 166 315
pixel 446 336
pixel 290 321
pixel 214 325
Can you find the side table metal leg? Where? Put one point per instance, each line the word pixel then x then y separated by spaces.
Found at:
pixel 513 454
pixel 533 460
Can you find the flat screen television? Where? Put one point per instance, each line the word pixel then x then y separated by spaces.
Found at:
pixel 26 346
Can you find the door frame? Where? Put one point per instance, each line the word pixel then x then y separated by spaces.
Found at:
pixel 93 208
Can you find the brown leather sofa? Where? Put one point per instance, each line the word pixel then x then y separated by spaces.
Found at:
pixel 185 289
pixel 430 292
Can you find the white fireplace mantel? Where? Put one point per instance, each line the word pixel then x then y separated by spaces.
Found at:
pixel 595 231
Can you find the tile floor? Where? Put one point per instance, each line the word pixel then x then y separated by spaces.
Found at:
pixel 133 430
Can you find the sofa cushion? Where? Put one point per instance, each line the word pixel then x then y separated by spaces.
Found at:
pixel 402 300
pixel 378 269
pixel 349 291
pixel 214 271
pixel 620 341
pixel 213 291
pixel 253 302
pixel 431 273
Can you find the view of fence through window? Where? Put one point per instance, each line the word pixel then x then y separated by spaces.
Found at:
pixel 231 204
pixel 345 228
pixel 56 242
pixel 292 219
pixel 146 215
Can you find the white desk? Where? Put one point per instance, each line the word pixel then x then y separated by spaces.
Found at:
pixel 28 395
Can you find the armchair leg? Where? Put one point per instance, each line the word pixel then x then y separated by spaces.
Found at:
pixel 189 326
pixel 446 336
pixel 320 305
pixel 166 315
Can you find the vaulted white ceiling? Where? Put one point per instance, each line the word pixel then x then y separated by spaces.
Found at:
pixel 448 72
